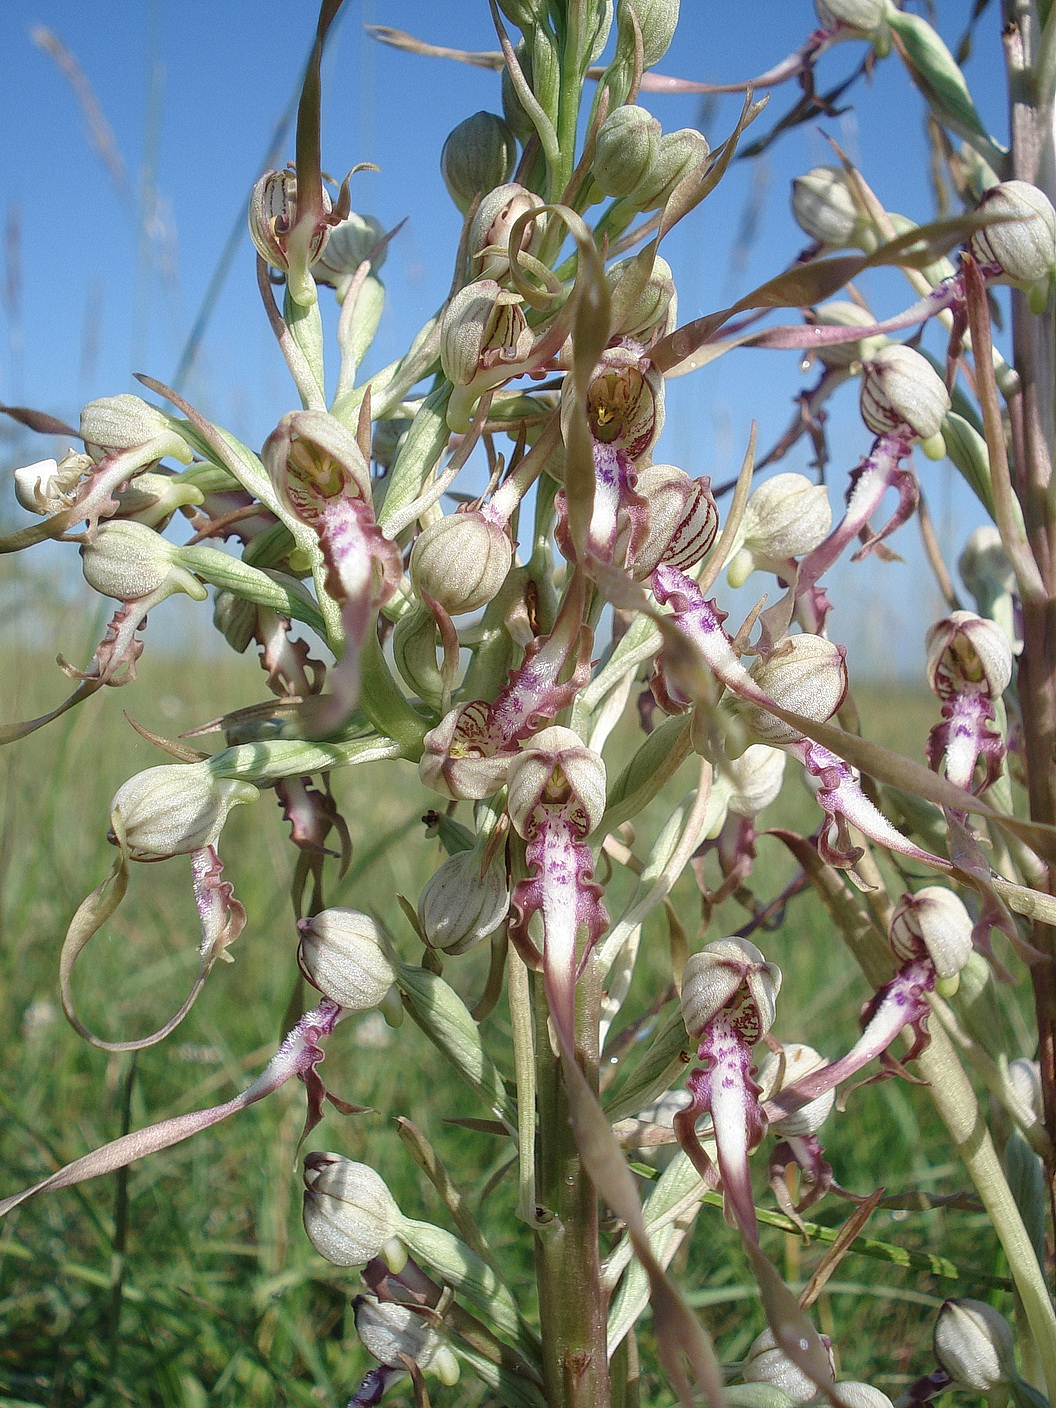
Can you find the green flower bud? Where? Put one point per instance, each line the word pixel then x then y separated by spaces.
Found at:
pixel 657 20
pixel 966 651
pixel 459 907
pixel 1021 248
pixel 785 517
pixel 809 678
pixel 654 308
pixel 824 207
pixel 730 975
pixel 520 124
pixel 489 234
pixel 461 561
pixel 272 213
pixel 973 1343
pixel 236 620
pixel 777 1071
pixel 858 1395
pixel 678 153
pixel 986 570
pixel 864 15
pixel 556 769
pixel 349 1214
pixel 128 561
pixel 47 487
pixel 152 498
pixel 933 923
pixel 342 954
pixel 478 156
pixel 125 422
pixel 766 1363
pixel 174 809
pixel 389 1330
pixel 627 146
pixel 755 778
pixel 354 239
pixel 841 314
pixel 902 391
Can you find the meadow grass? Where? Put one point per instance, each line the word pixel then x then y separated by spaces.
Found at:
pixel 189 1280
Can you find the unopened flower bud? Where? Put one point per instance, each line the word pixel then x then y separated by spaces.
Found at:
pixel 683 520
pixel 863 15
pixel 459 906
pixel 730 976
pixel 520 123
pixel 627 146
pixel 808 678
pixel 767 1363
pixel 677 154
pixel 461 561
pixel 966 651
pixel 934 923
pixel 128 560
pixel 1020 247
pixel 483 327
pixel 272 214
pixel 842 314
pixel 858 1395
pixel 174 809
pixel 124 422
pixel 389 1330
pixel 824 207
pixel 985 568
pixel 755 778
pixel 342 954
pixel 152 498
pixel 478 156
pixel 489 234
pixel 556 770
pixel 352 240
pixel 973 1343
pixel 48 487
pixel 777 1071
pixel 1025 1079
pixel 625 400
pixel 786 516
pixel 902 391
pixel 349 1214
pixel 656 20
pixel 653 309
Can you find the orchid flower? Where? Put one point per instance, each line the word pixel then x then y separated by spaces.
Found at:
pixel 319 471
pixel 298 1055
pixel 556 798
pixel 467 754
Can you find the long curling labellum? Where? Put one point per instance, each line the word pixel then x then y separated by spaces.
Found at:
pixel 556 798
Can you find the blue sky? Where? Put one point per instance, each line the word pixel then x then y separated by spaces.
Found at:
pixel 192 93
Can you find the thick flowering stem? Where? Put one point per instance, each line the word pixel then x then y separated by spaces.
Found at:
pixel 902 1003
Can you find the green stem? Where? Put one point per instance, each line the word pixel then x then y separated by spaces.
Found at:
pixel 384 703
pixel 956 1103
pixel 572 1310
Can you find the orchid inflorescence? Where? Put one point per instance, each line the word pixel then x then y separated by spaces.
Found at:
pixel 588 569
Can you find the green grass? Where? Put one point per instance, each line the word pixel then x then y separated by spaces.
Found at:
pixel 203 1289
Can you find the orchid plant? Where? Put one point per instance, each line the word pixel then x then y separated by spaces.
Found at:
pixel 495 646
